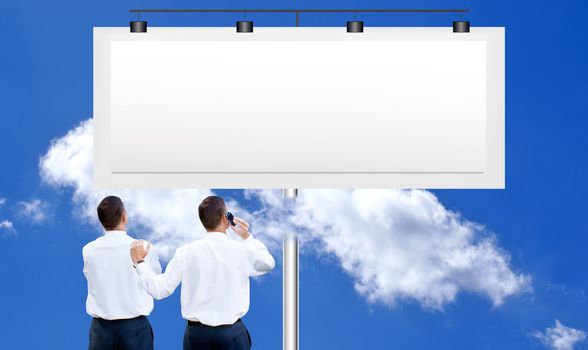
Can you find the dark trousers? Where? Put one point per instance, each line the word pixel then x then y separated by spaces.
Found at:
pixel 226 337
pixel 130 334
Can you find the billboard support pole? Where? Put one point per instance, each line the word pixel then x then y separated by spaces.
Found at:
pixel 290 284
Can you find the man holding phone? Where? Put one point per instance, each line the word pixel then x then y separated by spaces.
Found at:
pixel 214 272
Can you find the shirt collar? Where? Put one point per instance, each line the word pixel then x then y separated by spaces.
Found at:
pixel 215 234
pixel 115 233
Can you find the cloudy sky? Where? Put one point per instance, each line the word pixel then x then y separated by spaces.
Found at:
pixel 380 268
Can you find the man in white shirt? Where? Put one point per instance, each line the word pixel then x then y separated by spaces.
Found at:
pixel 116 300
pixel 214 272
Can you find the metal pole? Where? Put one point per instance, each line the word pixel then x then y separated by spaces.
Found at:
pixel 290 284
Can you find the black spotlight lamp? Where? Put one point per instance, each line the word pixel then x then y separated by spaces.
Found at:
pixel 461 26
pixel 354 26
pixel 244 27
pixel 138 26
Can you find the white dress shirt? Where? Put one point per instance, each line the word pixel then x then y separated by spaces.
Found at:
pixel 214 272
pixel 114 291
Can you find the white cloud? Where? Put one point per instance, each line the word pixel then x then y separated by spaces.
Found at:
pixel 168 218
pixel 560 337
pixel 7 228
pixel 395 244
pixel 35 210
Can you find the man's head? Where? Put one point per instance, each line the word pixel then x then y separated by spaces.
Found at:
pixel 112 214
pixel 212 212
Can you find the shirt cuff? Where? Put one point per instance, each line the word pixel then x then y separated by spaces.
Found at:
pixel 249 238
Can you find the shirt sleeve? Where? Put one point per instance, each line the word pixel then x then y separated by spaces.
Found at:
pixel 152 261
pixel 260 260
pixel 85 268
pixel 160 286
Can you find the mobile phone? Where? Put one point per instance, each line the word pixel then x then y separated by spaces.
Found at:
pixel 230 217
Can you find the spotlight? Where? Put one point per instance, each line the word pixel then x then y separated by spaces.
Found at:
pixel 354 26
pixel 244 27
pixel 461 26
pixel 138 27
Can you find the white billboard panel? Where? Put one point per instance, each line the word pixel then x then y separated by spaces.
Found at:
pixel 299 108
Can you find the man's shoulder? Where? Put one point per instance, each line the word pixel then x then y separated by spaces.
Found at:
pixel 90 245
pixel 100 241
pixel 130 238
pixel 191 246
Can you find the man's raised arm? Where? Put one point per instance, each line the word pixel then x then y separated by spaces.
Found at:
pixel 261 261
pixel 159 286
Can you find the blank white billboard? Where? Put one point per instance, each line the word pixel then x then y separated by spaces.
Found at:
pixel 299 108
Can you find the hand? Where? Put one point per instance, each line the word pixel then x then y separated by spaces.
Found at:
pixel 138 250
pixel 242 228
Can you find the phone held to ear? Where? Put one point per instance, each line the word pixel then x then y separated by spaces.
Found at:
pixel 230 217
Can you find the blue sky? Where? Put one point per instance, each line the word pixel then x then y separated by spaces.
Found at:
pixel 538 220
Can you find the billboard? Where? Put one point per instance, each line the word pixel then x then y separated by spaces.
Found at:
pixel 299 108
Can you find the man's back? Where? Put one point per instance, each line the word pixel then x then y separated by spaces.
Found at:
pixel 113 287
pixel 216 276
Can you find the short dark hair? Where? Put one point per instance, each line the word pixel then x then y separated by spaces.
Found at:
pixel 110 212
pixel 211 211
